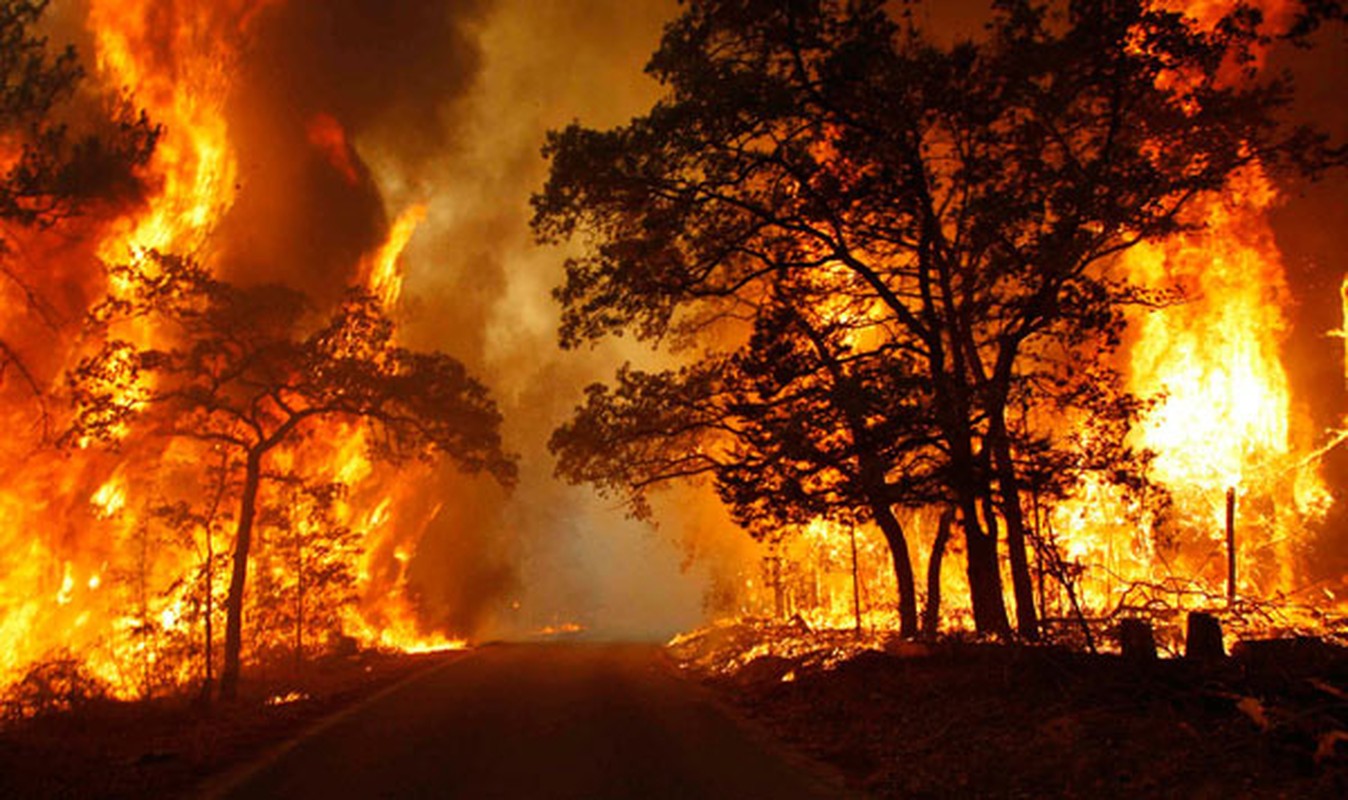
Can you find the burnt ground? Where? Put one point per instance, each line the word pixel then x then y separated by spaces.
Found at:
pixel 165 748
pixel 960 720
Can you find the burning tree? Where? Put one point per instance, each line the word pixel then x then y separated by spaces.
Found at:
pixel 319 554
pixel 968 202
pixel 251 371
pixel 48 170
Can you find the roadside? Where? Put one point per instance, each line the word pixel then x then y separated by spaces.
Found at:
pixel 166 748
pixel 962 719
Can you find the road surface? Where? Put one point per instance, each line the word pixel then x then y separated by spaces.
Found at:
pixel 535 721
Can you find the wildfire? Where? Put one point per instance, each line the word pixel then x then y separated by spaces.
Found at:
pixel 100 559
pixel 1232 448
pixel 1230 444
pixel 117 560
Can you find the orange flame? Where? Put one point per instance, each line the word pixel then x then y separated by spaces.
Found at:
pixel 385 277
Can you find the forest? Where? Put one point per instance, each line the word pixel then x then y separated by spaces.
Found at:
pixel 981 362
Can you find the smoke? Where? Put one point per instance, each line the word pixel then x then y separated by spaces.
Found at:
pixel 482 290
pixel 343 114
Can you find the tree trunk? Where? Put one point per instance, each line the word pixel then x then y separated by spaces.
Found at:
pixel 985 577
pixel 1203 637
pixel 778 593
pixel 931 615
pixel 1231 546
pixel 210 599
pixel 143 596
pixel 229 674
pixel 207 684
pixel 856 583
pixel 1022 583
pixel 1137 641
pixel 299 603
pixel 903 567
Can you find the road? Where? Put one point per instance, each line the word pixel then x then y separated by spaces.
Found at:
pixel 536 721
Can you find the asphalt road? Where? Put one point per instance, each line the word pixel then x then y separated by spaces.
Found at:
pixel 536 721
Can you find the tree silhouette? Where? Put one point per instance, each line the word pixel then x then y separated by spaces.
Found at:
pixel 252 370
pixel 973 196
pixel 795 426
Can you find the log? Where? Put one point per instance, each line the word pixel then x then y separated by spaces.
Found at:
pixel 1203 639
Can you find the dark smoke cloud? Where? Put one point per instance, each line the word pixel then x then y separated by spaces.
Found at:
pixel 390 68
pixel 387 72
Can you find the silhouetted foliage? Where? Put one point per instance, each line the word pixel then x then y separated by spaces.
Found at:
pixel 966 202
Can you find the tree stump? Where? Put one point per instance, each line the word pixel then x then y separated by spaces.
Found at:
pixel 1203 640
pixel 1136 640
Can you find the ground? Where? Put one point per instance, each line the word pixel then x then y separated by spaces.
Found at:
pixel 165 748
pixel 959 720
pixel 759 704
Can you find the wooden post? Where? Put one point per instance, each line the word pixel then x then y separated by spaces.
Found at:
pixel 778 592
pixel 1230 545
pixel 1203 639
pixel 1039 552
pixel 856 585
pixel 210 609
pixel 1137 640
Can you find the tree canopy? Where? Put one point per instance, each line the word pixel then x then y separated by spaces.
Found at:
pixel 819 160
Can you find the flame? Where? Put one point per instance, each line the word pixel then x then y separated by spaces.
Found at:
pixel 109 499
pixel 1217 355
pixel 1225 421
pixel 385 278
pixel 1342 332
pixel 175 61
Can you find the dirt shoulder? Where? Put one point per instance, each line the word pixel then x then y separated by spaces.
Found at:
pixel 960 720
pixel 167 748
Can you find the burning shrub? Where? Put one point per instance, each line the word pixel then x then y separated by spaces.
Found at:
pixel 60 684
